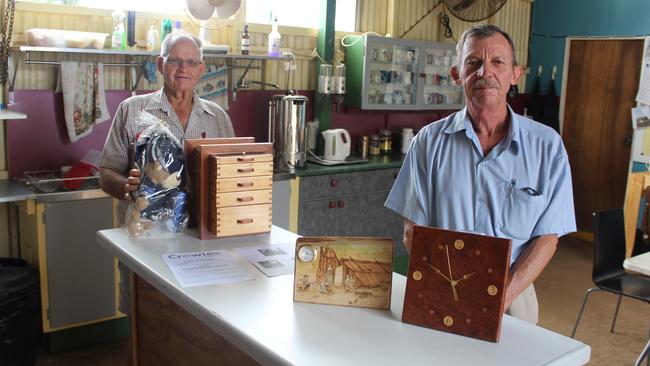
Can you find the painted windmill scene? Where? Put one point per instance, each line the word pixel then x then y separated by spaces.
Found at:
pixel 351 271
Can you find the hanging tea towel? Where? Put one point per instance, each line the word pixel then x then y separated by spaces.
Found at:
pixel 84 97
pixel 213 85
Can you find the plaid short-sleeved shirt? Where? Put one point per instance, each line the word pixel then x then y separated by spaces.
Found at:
pixel 207 119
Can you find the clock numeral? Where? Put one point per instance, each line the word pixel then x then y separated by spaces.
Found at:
pixel 459 244
pixel 417 275
pixel 492 290
pixel 448 321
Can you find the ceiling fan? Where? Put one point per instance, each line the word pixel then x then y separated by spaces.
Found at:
pixel 473 10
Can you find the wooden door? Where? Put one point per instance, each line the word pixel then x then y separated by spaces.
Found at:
pixel 602 79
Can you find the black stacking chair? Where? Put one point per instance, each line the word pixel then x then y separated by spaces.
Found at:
pixel 608 273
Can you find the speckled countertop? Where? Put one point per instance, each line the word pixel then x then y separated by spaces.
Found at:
pixel 374 163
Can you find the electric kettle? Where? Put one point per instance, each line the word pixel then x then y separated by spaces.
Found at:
pixel 337 144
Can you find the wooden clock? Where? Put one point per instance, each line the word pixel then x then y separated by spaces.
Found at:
pixel 456 282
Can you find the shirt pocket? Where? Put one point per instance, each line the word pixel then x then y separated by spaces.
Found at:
pixel 520 211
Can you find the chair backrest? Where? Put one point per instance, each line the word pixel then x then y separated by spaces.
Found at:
pixel 609 243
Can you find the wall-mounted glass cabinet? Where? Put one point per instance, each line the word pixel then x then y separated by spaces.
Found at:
pixel 389 73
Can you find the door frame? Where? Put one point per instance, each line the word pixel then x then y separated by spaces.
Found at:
pixel 637 134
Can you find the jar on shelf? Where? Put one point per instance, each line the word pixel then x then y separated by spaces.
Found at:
pixel 386 141
pixel 407 136
pixel 374 147
pixel 363 146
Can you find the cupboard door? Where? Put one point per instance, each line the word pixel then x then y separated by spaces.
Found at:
pixel 81 274
pixel 316 217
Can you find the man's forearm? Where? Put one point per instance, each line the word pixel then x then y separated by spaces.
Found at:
pixel 529 266
pixel 112 183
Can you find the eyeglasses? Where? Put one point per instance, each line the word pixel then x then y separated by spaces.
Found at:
pixel 178 62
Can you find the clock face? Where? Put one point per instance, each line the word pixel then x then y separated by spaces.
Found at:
pixel 307 254
pixel 456 282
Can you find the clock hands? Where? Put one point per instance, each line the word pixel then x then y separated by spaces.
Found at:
pixel 438 272
pixel 450 279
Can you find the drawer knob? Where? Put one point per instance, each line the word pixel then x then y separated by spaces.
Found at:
pixel 244 221
pixel 332 204
pixel 244 199
pixel 245 170
pixel 341 204
pixel 245 184
pixel 245 159
pixel 334 183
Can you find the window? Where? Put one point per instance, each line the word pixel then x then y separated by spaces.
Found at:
pixel 302 13
pixel 295 13
pixel 155 6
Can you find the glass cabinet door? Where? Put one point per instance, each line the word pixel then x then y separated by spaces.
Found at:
pixel 392 75
pixel 396 74
pixel 439 88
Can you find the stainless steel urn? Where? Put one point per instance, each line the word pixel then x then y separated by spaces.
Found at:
pixel 287 131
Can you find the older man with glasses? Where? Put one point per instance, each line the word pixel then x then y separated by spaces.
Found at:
pixel 186 115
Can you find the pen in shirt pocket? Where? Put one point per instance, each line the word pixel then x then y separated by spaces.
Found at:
pixel 529 190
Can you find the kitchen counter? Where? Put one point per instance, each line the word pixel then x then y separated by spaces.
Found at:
pixel 374 163
pixel 11 191
pixel 259 321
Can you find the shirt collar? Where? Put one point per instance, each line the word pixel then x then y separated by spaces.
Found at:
pixel 159 101
pixel 462 122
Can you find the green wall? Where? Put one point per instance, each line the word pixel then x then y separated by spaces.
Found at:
pixel 554 20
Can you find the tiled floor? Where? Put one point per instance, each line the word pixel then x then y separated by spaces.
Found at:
pixel 560 289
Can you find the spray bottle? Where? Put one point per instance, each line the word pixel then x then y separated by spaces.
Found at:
pixel 274 38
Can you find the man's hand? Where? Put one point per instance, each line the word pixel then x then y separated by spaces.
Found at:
pixel 132 183
pixel 117 184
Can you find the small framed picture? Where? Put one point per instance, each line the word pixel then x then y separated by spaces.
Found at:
pixel 350 271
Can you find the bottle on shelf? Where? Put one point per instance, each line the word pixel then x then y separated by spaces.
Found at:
pixel 118 39
pixel 177 26
pixel 153 39
pixel 165 29
pixel 245 41
pixel 130 28
pixel 274 39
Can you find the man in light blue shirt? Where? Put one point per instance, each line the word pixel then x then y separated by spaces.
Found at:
pixel 488 170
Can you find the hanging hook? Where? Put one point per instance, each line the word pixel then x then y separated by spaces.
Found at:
pixel 539 70
pixel 553 72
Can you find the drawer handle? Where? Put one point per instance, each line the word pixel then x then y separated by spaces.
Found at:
pixel 341 204
pixel 245 184
pixel 245 159
pixel 245 170
pixel 332 204
pixel 244 199
pixel 334 183
pixel 244 221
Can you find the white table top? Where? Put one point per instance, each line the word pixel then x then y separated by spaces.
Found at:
pixel 261 318
pixel 639 264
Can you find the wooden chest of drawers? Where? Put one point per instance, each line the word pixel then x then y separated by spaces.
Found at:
pixel 240 194
pixel 231 183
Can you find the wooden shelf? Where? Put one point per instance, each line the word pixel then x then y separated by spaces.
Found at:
pixel 206 53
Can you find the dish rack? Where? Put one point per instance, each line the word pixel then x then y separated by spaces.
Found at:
pixel 48 181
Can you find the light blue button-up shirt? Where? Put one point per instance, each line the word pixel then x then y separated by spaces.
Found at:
pixel 520 190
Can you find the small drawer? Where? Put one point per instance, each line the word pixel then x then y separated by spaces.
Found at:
pixel 244 198
pixel 241 170
pixel 241 220
pixel 243 184
pixel 243 158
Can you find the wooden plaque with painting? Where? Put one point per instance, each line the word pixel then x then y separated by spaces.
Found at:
pixel 351 271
